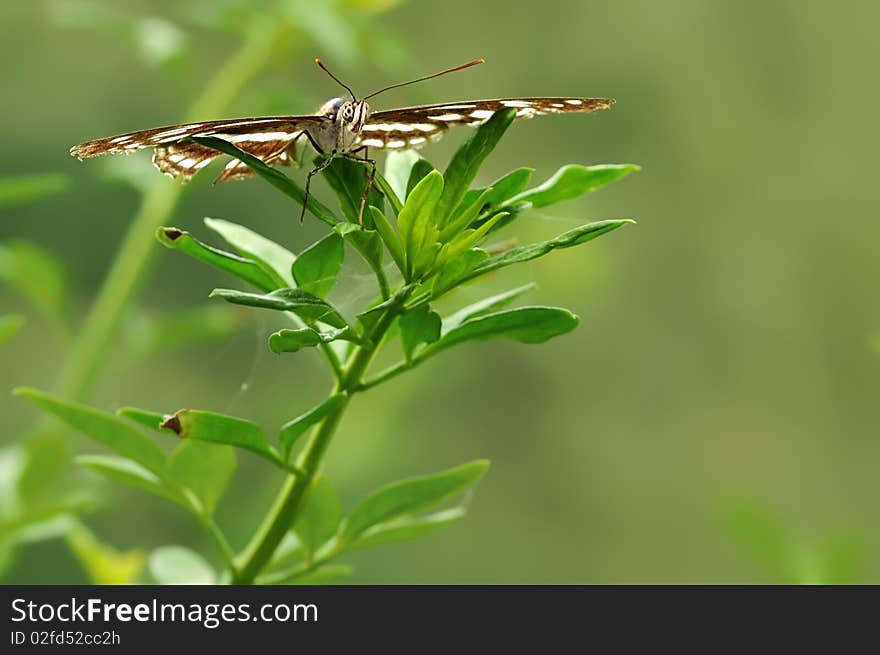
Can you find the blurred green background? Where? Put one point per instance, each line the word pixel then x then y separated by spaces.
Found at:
pixel 729 346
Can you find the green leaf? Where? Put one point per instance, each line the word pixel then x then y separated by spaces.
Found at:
pixel 368 243
pixel 389 194
pixel 322 575
pixel 457 270
pixel 568 239
pixel 572 181
pixel 272 175
pixel 524 324
pixel 42 524
pixel 245 269
pixel 220 429
pixel 410 496
pixel 176 565
pixel 498 192
pixel 106 429
pixel 37 275
pixel 418 326
pixel 348 179
pixel 391 239
pixel 104 564
pixel 472 236
pixel 10 325
pixel 275 259
pixel 398 164
pixel 484 306
pixel 406 529
pixel 320 516
pixel 152 420
pixel 417 173
pixel 468 158
pixel 47 462
pixel 294 429
pixel 291 341
pixel 289 551
pixel 369 318
pixel 764 538
pixel 305 305
pixel 186 327
pixel 25 189
pixel 316 268
pixel 465 217
pixel 416 221
pixel 203 468
pixel 120 469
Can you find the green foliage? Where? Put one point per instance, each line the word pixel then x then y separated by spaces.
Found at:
pixel 272 175
pixel 105 565
pixel 320 517
pixel 462 169
pixel 205 468
pixel 246 269
pixel 220 429
pixel 37 275
pixel 10 326
pixel 432 225
pixel 572 181
pixel 787 558
pixel 295 428
pixel 112 432
pixel 348 179
pixel 574 237
pixel 316 267
pixel 307 306
pixel 398 164
pixel 291 341
pixel 407 529
pixel 418 326
pixel 276 260
pixel 25 189
pixel 409 496
pixel 176 565
pixel 202 324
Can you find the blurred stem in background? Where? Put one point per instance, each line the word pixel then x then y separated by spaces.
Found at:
pixel 87 356
pixel 88 353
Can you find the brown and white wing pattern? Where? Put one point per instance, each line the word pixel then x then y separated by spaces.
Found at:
pixel 270 139
pixel 413 127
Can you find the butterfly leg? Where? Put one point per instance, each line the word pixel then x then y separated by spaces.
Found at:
pixel 324 164
pixel 371 177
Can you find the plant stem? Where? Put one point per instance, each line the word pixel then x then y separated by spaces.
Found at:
pixel 213 530
pixel 288 503
pixel 127 272
pixel 387 374
pixel 384 289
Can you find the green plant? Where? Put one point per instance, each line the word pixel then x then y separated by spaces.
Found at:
pixel 437 231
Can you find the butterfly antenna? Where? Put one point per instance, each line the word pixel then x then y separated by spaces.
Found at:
pixel 338 81
pixel 475 62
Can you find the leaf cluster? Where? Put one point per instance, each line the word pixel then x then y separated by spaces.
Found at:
pixel 427 232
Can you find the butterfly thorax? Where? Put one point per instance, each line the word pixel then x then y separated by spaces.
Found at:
pixel 348 118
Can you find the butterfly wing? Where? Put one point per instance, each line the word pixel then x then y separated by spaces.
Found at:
pixel 413 127
pixel 270 139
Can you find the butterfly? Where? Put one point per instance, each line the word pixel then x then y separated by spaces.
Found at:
pixel 339 128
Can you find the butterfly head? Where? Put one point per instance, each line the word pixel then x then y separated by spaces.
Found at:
pixel 350 113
